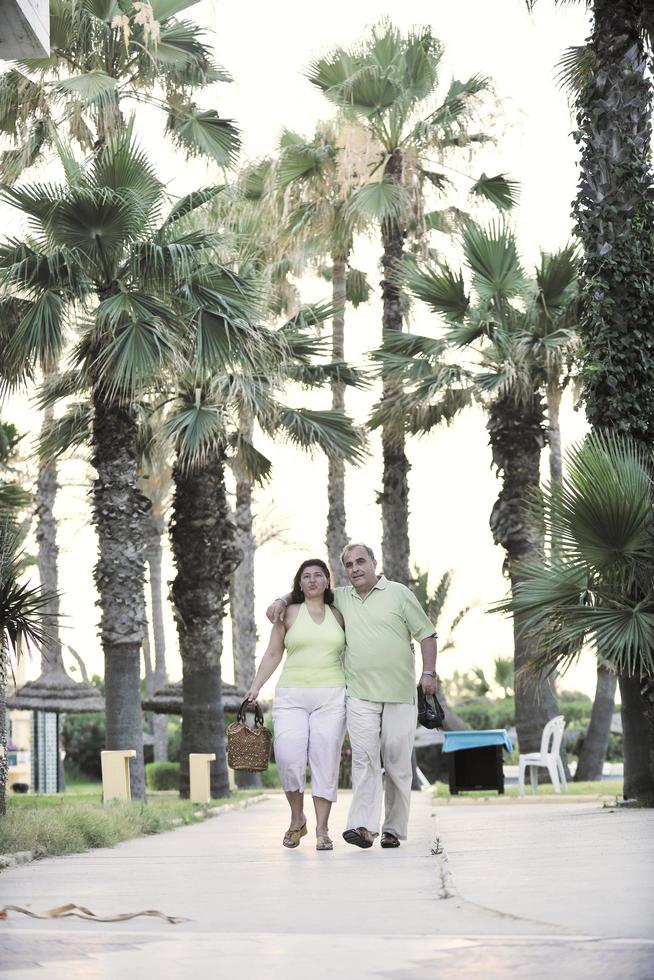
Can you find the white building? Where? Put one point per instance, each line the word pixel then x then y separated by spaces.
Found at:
pixel 24 29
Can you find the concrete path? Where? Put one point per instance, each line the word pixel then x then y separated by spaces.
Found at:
pixel 542 891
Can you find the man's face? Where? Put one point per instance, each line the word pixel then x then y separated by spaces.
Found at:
pixel 361 569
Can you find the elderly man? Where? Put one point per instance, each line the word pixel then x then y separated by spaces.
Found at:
pixel 380 617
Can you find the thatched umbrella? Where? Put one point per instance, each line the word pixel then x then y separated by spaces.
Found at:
pixel 50 696
pixel 168 700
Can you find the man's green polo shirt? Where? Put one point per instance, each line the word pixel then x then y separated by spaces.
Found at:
pixel 379 661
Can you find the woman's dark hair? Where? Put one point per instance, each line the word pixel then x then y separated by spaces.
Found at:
pixel 297 595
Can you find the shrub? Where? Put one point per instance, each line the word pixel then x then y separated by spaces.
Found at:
pixel 481 713
pixel 577 712
pixel 566 696
pixel 162 775
pixel 174 737
pixel 270 777
pixel 83 738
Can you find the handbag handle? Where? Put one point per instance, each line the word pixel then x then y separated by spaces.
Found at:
pixel 258 713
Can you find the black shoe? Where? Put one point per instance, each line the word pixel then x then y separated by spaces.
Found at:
pixel 389 840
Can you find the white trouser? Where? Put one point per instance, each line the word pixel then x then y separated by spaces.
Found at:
pixel 381 731
pixel 309 725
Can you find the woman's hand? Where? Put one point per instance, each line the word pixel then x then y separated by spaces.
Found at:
pixel 252 694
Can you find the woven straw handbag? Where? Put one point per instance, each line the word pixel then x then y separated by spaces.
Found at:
pixel 248 746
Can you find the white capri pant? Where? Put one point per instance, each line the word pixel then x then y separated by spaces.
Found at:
pixel 309 725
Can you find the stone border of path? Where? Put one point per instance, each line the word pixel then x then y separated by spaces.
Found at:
pixel 8 861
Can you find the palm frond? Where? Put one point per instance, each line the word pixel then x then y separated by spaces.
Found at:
pixel 67 433
pixel 315 375
pixel 332 432
pixel 139 351
pixel 93 87
pixel 380 200
pixel 248 458
pixel 204 133
pixel 357 287
pixel 439 287
pixel 196 431
pixel 492 256
pixel 499 190
pixel 191 202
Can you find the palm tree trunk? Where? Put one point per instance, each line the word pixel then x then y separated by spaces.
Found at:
pixel 394 497
pixel 336 529
pixel 205 556
pixel 593 752
pixel 637 740
pixel 517 438
pixel 4 734
pixel 118 509
pixel 241 592
pixel 154 555
pixel 614 212
pixel 244 630
pixel 554 431
pixel 47 562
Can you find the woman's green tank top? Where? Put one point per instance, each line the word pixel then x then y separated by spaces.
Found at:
pixel 314 652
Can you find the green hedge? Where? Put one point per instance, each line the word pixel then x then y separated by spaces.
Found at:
pixel 162 775
pixel 482 713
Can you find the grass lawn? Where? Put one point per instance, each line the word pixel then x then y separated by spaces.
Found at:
pixel 600 789
pixel 77 820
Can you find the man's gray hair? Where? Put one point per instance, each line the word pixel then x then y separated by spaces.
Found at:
pixel 356 544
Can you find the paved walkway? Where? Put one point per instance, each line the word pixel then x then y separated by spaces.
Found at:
pixel 541 890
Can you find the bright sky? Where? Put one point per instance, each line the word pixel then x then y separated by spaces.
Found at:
pixel 452 487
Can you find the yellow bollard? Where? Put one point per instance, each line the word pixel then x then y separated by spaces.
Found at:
pixel 199 764
pixel 115 774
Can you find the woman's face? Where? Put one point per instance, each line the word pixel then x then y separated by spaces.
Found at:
pixel 313 581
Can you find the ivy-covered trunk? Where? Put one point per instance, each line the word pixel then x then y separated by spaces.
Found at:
pixel 118 509
pixel 336 531
pixel 394 497
pixel 202 537
pixel 596 740
pixel 517 437
pixel 4 762
pixel 154 557
pixel 614 213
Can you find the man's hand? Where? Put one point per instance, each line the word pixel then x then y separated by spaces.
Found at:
pixel 276 611
pixel 429 685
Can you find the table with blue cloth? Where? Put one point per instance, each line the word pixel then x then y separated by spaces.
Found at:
pixel 475 759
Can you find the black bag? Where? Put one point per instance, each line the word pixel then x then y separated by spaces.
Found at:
pixel 430 713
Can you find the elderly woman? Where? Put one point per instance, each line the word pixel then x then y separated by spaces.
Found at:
pixel 309 705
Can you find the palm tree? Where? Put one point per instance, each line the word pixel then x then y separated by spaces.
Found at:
pixel 389 82
pixel 613 212
pixel 204 426
pixel 597 590
pixel 155 482
pixel 99 252
pixel 318 179
pixel 21 617
pixel 500 324
pixel 103 56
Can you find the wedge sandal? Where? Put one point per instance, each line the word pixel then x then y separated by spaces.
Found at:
pixel 324 843
pixel 292 837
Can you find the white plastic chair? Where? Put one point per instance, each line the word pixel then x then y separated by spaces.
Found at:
pixel 549 758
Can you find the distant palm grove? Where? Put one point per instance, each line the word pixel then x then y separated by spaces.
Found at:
pixel 162 338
